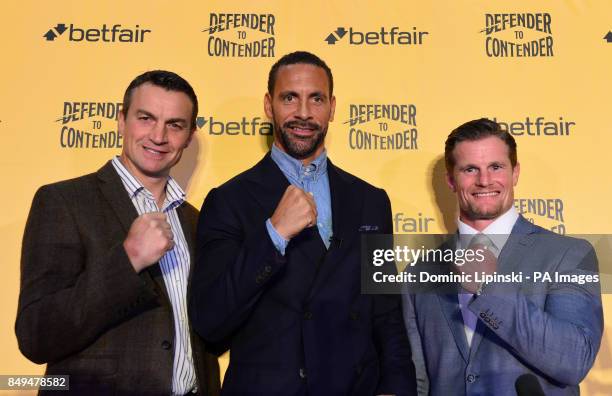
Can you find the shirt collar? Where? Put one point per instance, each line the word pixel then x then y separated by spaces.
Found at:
pixel 174 193
pixel 498 231
pixel 293 168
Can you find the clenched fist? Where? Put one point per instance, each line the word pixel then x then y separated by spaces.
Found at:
pixel 295 211
pixel 476 266
pixel 149 238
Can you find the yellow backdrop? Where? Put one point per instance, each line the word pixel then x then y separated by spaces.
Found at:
pixel 406 73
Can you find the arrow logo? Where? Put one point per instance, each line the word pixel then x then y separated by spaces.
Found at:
pixel 61 28
pixel 331 39
pixel 50 35
pixel 200 122
pixel 608 37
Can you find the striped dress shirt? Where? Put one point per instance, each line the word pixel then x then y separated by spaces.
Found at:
pixel 174 266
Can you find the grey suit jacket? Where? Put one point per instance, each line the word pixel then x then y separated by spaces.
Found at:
pixel 549 329
pixel 82 307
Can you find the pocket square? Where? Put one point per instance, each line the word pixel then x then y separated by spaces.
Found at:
pixel 368 228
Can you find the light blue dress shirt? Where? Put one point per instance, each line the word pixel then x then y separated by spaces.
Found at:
pixel 311 178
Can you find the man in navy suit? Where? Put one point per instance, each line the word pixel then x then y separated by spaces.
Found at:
pixel 278 274
pixel 481 338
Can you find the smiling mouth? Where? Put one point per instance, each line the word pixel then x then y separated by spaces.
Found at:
pixel 486 194
pixel 302 132
pixel 153 151
pixel 305 130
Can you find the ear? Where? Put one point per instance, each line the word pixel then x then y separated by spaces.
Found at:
pixel 332 104
pixel 121 123
pixel 450 180
pixel 515 173
pixel 268 106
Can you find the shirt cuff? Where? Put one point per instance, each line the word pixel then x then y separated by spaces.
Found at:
pixel 279 242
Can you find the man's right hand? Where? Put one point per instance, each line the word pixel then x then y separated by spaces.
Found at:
pixel 149 238
pixel 295 211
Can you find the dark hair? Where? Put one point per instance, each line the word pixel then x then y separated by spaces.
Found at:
pixel 164 79
pixel 299 57
pixel 476 130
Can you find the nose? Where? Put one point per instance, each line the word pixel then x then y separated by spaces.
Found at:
pixel 484 179
pixel 303 110
pixel 158 134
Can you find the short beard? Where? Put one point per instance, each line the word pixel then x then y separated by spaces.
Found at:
pixel 476 214
pixel 300 151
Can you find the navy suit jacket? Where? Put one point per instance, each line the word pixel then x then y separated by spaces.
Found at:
pixel 549 329
pixel 296 324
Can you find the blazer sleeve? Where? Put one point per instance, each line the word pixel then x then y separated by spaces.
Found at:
pixel 69 298
pixel 397 372
pixel 234 266
pixel 562 338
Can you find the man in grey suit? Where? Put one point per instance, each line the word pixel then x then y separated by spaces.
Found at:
pixel 479 339
pixel 107 257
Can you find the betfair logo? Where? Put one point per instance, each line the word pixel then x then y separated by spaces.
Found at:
pixel 106 34
pixel 54 32
pixel 538 126
pixel 384 36
pixel 404 224
pixel 340 33
pixel 244 127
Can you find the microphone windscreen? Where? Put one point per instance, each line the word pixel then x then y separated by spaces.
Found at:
pixel 528 385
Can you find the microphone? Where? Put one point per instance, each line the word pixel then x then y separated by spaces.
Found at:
pixel 528 385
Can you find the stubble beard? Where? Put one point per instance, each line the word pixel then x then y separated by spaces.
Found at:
pixel 298 147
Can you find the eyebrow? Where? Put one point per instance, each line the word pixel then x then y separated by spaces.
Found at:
pixel 144 112
pixel 294 93
pixel 168 121
pixel 173 120
pixel 470 165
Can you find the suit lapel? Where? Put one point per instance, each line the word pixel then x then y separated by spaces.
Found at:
pixel 518 244
pixel 479 333
pixel 113 190
pixel 509 260
pixel 449 303
pixel 186 225
pixel 345 203
pixel 268 184
pixel 188 232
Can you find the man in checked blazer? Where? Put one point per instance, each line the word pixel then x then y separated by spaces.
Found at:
pixel 107 258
